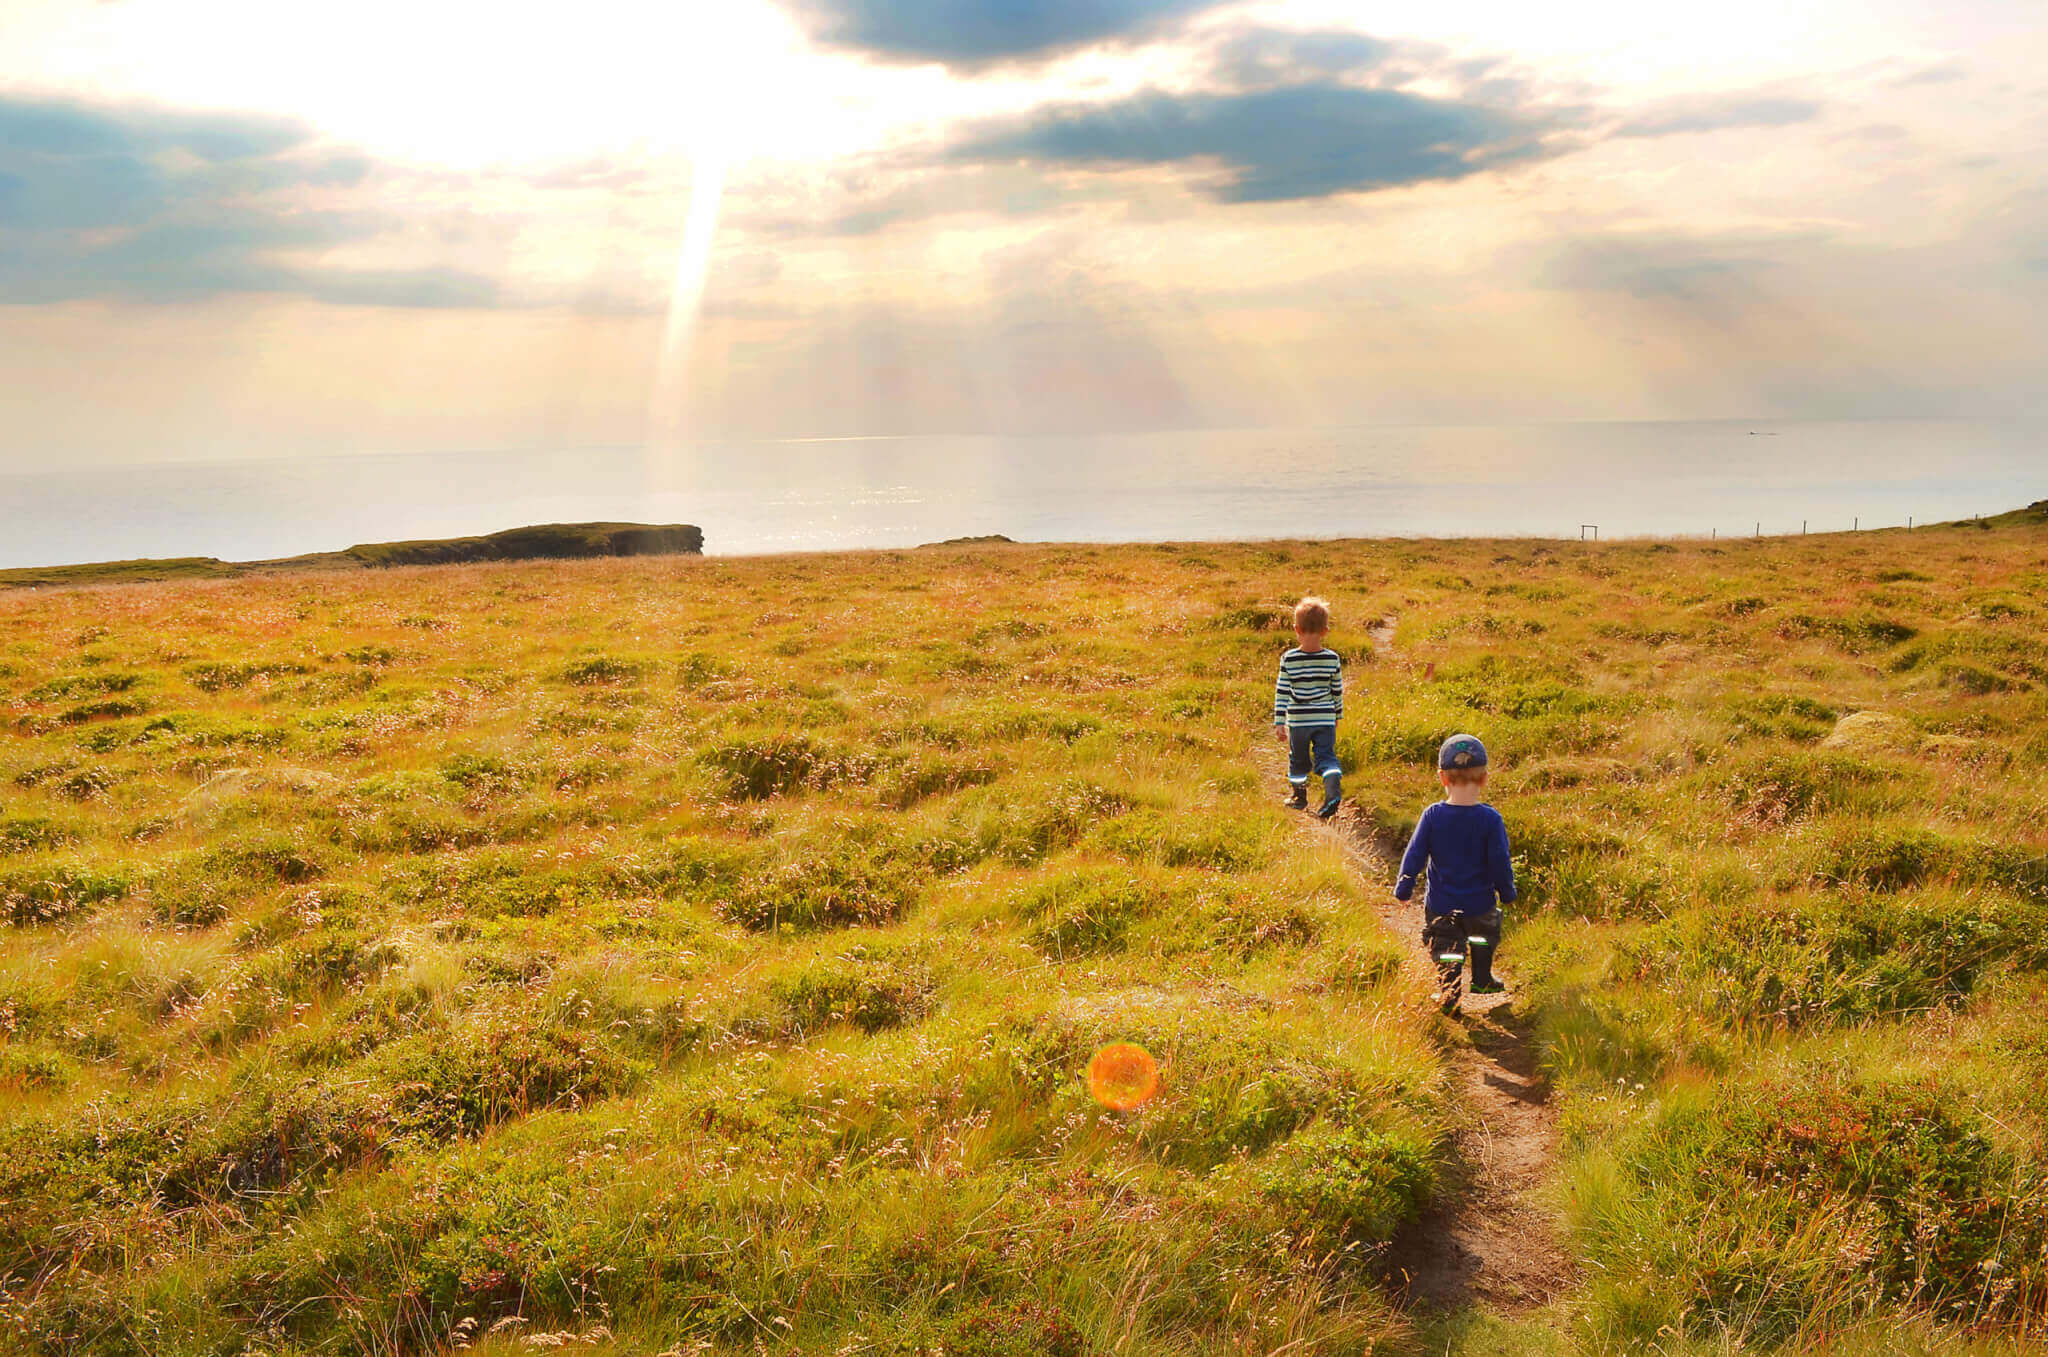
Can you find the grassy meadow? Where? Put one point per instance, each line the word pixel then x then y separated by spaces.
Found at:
pixel 706 955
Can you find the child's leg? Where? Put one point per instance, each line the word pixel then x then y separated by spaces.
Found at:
pixel 1327 767
pixel 1486 926
pixel 1299 757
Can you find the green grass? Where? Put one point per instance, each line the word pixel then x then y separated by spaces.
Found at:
pixel 545 541
pixel 705 955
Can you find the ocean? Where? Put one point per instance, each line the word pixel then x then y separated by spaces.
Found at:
pixel 1541 480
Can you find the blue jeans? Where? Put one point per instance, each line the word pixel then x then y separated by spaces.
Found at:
pixel 1315 748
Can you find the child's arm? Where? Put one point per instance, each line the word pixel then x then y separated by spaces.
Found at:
pixel 1283 696
pixel 1501 862
pixel 1338 689
pixel 1413 861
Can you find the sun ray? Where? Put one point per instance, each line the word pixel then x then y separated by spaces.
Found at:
pixel 668 403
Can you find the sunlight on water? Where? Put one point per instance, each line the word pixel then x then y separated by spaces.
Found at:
pixel 776 495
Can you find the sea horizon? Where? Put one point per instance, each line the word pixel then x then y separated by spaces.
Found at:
pixel 1542 479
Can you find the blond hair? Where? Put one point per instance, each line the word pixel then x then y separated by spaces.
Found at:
pixel 1474 776
pixel 1312 615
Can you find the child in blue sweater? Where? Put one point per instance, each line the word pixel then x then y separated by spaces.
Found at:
pixel 1464 843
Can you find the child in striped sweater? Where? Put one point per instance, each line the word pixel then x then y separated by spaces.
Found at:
pixel 1308 701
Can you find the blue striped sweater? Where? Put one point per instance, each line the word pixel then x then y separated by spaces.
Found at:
pixel 1310 689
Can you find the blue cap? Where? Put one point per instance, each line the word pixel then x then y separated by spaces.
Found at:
pixel 1461 751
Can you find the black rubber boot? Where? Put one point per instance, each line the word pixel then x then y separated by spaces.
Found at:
pixel 1299 799
pixel 1481 956
pixel 1333 795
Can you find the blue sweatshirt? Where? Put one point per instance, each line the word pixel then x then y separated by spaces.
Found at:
pixel 1466 848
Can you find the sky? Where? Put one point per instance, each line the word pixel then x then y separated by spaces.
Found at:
pixel 238 228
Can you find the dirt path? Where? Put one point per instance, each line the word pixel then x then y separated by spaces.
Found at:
pixel 1486 1241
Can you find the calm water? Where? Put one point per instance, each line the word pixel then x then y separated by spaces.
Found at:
pixel 1541 480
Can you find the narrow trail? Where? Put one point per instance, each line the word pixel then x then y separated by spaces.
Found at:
pixel 1486 1240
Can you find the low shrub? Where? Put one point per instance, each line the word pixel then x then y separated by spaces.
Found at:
pixel 1785 716
pixel 1022 1329
pixel 1981 659
pixel 1236 844
pixel 1364 967
pixel 1857 635
pixel 214 676
pixel 1583 870
pixel 25 1068
pixel 264 859
pixel 71 686
pixel 31 834
pixel 1893 858
pixel 1358 1183
pixel 1244 923
pixel 1800 962
pixel 1252 617
pixel 1229 1114
pixel 869 990
pixel 1816 1194
pixel 1780 788
pixel 485 775
pixel 698 668
pixel 908 783
pixel 1517 688
pixel 1022 827
pixel 976 728
pixel 760 767
pixel 57 891
pixel 1972 680
pixel 601 669
pixel 843 889
pixel 1088 911
pixel 103 709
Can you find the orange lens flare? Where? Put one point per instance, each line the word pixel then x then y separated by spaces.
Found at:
pixel 1123 1076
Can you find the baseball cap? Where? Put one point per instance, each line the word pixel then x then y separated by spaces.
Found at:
pixel 1461 751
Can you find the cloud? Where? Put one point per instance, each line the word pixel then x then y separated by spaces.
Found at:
pixel 230 252
pixel 972 33
pixel 1266 57
pixel 1278 114
pixel 160 205
pixel 1940 73
pixel 1670 266
pixel 1274 145
pixel 71 128
pixel 1714 112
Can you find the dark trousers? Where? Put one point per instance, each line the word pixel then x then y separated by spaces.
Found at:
pixel 1314 749
pixel 1480 933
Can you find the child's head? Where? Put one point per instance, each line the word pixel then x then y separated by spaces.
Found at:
pixel 1311 620
pixel 1461 762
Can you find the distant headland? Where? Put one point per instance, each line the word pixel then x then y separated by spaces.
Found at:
pixel 543 541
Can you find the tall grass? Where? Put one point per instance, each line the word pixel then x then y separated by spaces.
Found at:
pixel 660 954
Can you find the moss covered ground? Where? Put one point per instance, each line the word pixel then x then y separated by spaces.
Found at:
pixel 692 955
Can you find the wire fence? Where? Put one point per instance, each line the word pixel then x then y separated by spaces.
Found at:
pixel 1591 532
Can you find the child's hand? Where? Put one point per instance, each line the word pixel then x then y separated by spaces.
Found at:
pixel 1280 734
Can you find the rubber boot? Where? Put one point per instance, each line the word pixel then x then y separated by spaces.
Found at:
pixel 1333 794
pixel 1481 957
